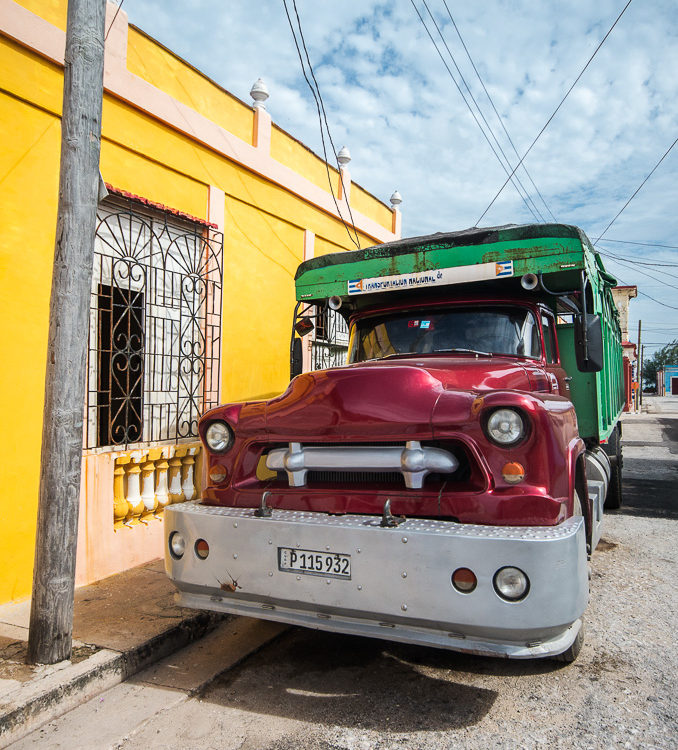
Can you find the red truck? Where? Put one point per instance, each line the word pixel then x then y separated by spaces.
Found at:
pixel 444 487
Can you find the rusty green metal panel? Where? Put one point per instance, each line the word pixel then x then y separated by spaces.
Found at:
pixel 549 249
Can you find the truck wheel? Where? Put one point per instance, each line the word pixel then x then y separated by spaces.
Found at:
pixel 613 499
pixel 572 653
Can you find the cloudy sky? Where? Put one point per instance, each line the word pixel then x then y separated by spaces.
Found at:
pixel 391 100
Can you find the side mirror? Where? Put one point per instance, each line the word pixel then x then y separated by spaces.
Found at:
pixel 296 361
pixel 588 342
pixel 303 326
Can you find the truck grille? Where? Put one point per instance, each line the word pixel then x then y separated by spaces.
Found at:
pixel 408 462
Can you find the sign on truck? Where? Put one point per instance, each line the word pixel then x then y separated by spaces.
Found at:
pixel 446 485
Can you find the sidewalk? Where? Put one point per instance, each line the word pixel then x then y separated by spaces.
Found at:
pixel 120 626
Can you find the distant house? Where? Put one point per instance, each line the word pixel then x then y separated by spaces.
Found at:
pixel 667 381
pixel 622 295
pixel 211 209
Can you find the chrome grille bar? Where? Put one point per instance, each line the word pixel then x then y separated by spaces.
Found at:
pixel 413 461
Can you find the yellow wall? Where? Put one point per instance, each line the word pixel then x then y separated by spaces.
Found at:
pixel 147 59
pixel 263 242
pixel 28 186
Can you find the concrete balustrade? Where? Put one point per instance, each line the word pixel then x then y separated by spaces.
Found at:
pixel 145 482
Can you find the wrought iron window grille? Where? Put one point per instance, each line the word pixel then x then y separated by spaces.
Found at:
pixel 155 325
pixel 330 346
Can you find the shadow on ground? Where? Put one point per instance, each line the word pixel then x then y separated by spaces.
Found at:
pixel 650 498
pixel 670 431
pixel 349 681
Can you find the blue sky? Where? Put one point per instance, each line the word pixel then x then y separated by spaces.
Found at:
pixel 390 99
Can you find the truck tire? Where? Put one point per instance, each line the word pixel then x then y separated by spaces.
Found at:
pixel 613 499
pixel 570 654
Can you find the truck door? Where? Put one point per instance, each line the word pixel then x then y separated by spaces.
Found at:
pixel 551 354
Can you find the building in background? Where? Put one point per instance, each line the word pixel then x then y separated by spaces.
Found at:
pixel 667 381
pixel 622 296
pixel 211 209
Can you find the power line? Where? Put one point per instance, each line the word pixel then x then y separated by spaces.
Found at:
pixel 113 21
pixel 637 190
pixel 646 244
pixel 538 215
pixel 538 136
pixel 644 294
pixel 461 93
pixel 501 121
pixel 638 262
pixel 320 106
pixel 327 127
pixel 645 273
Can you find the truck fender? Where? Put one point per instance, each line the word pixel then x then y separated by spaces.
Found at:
pixel 579 484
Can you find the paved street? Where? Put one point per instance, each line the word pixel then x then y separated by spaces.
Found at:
pixel 316 690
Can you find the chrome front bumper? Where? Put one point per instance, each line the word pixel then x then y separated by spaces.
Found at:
pixel 400 587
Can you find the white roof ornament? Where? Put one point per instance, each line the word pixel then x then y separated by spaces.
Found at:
pixel 344 156
pixel 396 199
pixel 259 93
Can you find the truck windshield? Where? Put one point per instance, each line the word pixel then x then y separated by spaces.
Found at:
pixel 510 331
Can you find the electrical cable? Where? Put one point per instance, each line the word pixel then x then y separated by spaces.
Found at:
pixel 637 190
pixel 555 111
pixel 638 262
pixel 646 244
pixel 644 294
pixel 461 93
pixel 501 122
pixel 538 215
pixel 327 127
pixel 317 98
pixel 113 21
pixel 645 273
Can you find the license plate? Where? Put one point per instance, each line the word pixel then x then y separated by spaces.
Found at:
pixel 314 563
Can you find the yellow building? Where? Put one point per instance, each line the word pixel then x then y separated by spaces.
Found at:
pixel 211 209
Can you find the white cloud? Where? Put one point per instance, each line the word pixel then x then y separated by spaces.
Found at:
pixel 391 101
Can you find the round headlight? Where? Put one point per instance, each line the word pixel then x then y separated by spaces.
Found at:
pixel 177 545
pixel 505 426
pixel 511 583
pixel 219 437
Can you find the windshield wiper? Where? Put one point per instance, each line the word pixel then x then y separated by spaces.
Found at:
pixel 466 351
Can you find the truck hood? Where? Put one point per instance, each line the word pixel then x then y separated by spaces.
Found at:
pixel 467 372
pixel 393 399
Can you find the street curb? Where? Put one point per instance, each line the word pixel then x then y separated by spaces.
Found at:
pixel 67 687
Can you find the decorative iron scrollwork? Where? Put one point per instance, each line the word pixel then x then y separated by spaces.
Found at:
pixel 155 325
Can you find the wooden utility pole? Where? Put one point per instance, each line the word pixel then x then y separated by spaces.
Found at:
pixel 639 400
pixel 51 623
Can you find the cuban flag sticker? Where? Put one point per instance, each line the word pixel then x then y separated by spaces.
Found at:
pixel 355 286
pixel 504 268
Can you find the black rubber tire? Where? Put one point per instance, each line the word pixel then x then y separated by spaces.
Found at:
pixel 614 497
pixel 570 654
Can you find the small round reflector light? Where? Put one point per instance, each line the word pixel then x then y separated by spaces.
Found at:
pixel 513 472
pixel 177 545
pixel 511 583
pixel 464 580
pixel 202 549
pixel 218 473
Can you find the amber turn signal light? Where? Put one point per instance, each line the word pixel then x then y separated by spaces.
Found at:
pixel 218 473
pixel 513 472
pixel 464 580
pixel 202 549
